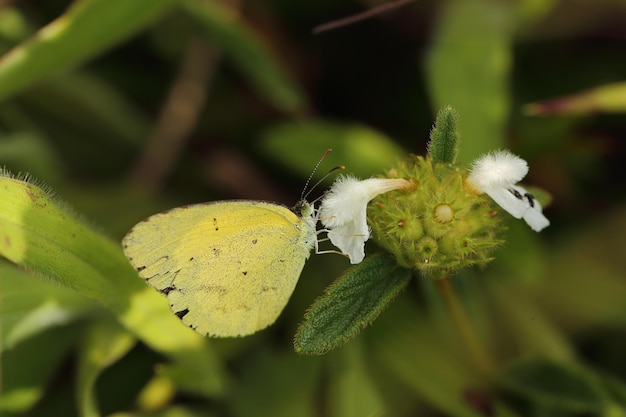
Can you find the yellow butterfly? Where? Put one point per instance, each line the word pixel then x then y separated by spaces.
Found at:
pixel 228 268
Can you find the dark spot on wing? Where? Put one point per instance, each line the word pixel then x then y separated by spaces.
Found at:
pixel 141 268
pixel 191 259
pixel 215 224
pixel 254 241
pixel 266 289
pixel 167 290
pixel 531 199
pixel 182 313
pixel 245 272
pixel 216 252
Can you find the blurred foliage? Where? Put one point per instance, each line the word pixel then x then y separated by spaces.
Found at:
pixel 127 108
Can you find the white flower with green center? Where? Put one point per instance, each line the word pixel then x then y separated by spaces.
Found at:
pixel 496 174
pixel 343 211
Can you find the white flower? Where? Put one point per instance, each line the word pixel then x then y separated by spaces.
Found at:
pixel 496 174
pixel 343 211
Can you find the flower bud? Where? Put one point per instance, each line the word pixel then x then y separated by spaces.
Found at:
pixel 437 226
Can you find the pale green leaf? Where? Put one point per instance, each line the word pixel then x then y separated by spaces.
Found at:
pixel 37 232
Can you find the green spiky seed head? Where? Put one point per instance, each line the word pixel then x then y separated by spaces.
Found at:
pixel 437 226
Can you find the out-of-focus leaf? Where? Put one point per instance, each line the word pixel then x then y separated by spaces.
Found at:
pixel 104 112
pixel 548 384
pixel 350 304
pixel 532 11
pixel 292 392
pixel 156 394
pixel 103 343
pixel 28 366
pixel 411 349
pixel 468 68
pixel 39 233
pixel 610 98
pixel 225 28
pixel 522 327
pixel 29 151
pixel 617 389
pixel 364 151
pixel 87 29
pixel 13 27
pixel 31 305
pixel 523 247
pixel 177 411
pixel 351 390
pixel 590 261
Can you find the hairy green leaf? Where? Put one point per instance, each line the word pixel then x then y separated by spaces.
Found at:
pixel 351 303
pixel 445 138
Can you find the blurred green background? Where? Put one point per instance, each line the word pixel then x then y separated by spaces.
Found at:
pixel 128 107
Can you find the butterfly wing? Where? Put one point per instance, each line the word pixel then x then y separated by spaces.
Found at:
pixel 227 268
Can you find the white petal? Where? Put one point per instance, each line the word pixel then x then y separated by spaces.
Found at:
pixel 349 195
pixel 534 217
pixel 343 212
pixel 496 170
pixel 508 201
pixel 520 204
pixel 350 239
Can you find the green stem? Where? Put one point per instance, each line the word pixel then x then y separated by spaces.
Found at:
pixel 464 326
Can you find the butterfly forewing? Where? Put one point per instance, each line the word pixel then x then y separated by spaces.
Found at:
pixel 227 268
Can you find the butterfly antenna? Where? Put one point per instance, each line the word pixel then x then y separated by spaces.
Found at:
pixel 337 168
pixel 306 190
